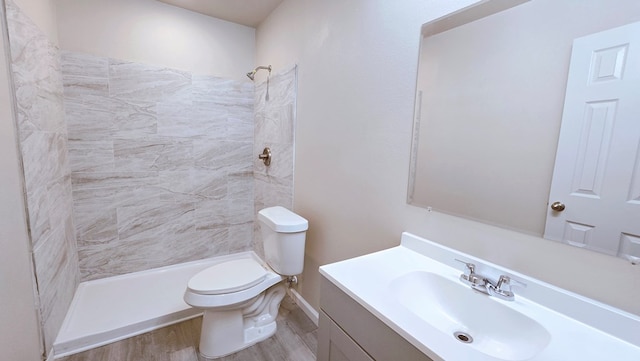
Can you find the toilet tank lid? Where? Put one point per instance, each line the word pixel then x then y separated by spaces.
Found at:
pixel 283 220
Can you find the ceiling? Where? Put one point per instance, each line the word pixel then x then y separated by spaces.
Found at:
pixel 245 12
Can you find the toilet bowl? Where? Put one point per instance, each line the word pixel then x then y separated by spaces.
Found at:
pixel 241 296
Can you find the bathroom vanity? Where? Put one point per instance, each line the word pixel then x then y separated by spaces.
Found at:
pixel 415 302
pixel 348 332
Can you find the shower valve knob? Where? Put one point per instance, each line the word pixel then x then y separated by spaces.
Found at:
pixel 265 156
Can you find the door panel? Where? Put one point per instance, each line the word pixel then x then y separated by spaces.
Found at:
pixel 597 170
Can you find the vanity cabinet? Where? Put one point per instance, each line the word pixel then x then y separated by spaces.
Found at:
pixel 348 332
pixel 335 345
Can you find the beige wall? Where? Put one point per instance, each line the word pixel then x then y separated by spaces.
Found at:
pixel 19 335
pixel 43 14
pixel 152 32
pixel 357 76
pixel 513 98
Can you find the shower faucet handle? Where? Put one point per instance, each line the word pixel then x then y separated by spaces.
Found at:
pixel 265 156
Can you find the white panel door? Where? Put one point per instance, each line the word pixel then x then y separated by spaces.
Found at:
pixel 597 169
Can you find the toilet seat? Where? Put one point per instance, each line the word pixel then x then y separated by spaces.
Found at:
pixel 228 277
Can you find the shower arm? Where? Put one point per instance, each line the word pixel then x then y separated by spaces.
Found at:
pixel 252 74
pixel 268 67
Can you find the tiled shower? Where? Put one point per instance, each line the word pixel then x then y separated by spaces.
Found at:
pixel 132 166
pixel 161 164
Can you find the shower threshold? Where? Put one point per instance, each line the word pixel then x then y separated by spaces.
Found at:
pixel 114 308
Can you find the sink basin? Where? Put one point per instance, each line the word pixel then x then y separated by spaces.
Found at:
pixel 475 319
pixel 414 291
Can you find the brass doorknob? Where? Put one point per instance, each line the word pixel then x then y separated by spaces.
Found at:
pixel 557 206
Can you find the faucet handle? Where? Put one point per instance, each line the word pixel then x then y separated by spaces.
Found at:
pixel 502 289
pixel 472 279
pixel 470 266
pixel 506 280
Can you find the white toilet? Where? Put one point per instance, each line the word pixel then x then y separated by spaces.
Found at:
pixel 241 296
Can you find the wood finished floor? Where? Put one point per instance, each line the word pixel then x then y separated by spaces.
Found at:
pixel 295 340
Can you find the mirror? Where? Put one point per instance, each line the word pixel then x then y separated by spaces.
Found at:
pixel 490 95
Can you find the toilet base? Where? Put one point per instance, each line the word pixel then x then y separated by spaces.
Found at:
pixel 231 330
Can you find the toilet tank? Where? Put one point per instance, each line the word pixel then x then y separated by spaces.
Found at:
pixel 283 237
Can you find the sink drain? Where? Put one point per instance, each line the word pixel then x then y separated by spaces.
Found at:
pixel 463 337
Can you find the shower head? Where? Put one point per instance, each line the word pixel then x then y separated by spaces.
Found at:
pixel 251 75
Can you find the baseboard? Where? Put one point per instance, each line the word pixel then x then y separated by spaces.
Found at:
pixel 51 355
pixel 304 306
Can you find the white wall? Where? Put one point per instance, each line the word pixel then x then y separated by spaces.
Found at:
pixel 152 32
pixel 19 335
pixel 357 76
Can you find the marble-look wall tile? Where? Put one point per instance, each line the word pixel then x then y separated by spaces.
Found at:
pixel 240 198
pixel 95 224
pixel 89 117
pixel 240 130
pixel 222 91
pixel 38 84
pixel 130 80
pixel 208 185
pixel 202 120
pixel 122 257
pixel 269 193
pixel 182 186
pixel 240 237
pixel 274 128
pixel 82 85
pixel 44 158
pixel 210 214
pixel 162 164
pixel 36 74
pixel 86 65
pixel 226 156
pixel 156 154
pixel 56 259
pixel 134 119
pixel 154 221
pixel 274 124
pixel 91 155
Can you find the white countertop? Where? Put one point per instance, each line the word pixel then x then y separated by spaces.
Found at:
pixel 580 328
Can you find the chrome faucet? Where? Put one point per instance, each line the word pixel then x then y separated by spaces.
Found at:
pixel 501 289
pixel 474 280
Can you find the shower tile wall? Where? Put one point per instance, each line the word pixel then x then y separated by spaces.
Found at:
pixel 274 128
pixel 35 66
pixel 161 164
